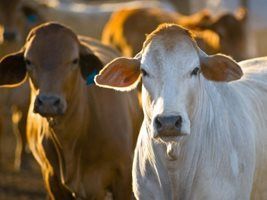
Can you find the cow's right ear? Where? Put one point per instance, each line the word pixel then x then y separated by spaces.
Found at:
pixel 121 74
pixel 220 68
pixel 32 14
pixel 12 70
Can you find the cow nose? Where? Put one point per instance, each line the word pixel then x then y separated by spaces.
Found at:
pixel 10 36
pixel 47 100
pixel 47 105
pixel 168 125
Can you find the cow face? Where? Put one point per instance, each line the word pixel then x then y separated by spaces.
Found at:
pixel 172 69
pixel 9 18
pixel 56 61
pixel 16 19
pixel 232 33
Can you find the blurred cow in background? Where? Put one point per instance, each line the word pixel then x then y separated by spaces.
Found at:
pixel 127 28
pixel 89 19
pixel 231 29
pixel 14 105
pixel 16 19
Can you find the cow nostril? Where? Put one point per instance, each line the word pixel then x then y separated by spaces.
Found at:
pixel 158 123
pixel 39 101
pixel 57 102
pixel 178 122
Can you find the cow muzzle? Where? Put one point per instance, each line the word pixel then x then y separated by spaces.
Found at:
pixel 168 126
pixel 49 105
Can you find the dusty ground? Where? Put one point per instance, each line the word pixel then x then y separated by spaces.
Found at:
pixel 21 185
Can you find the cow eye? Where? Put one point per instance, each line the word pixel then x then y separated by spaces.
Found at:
pixel 144 72
pixel 75 61
pixel 28 62
pixel 195 71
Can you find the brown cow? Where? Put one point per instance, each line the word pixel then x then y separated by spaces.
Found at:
pixel 127 28
pixel 16 19
pixel 231 31
pixel 88 19
pixel 14 105
pixel 82 136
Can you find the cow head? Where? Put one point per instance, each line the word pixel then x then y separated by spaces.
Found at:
pixel 172 68
pixel 56 61
pixel 231 30
pixel 9 17
pixel 16 19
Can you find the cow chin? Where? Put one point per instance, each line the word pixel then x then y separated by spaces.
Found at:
pixel 174 138
pixel 50 112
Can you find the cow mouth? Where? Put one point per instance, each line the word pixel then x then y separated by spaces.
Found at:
pixel 49 113
pixel 53 122
pixel 170 135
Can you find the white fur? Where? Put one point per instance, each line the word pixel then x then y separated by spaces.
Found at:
pixel 223 157
pixel 234 163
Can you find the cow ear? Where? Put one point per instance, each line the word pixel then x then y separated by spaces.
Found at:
pixel 121 74
pixel 241 14
pixel 220 68
pixel 12 70
pixel 32 15
pixel 89 63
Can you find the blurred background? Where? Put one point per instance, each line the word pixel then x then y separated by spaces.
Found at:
pixel 243 35
pixel 256 26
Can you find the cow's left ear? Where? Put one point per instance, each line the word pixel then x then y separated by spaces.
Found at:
pixel 220 68
pixel 13 70
pixel 121 74
pixel 89 63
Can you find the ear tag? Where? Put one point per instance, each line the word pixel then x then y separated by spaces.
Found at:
pixel 32 18
pixel 90 78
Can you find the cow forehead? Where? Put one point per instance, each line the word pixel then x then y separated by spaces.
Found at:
pixel 52 46
pixel 174 55
pixel 52 42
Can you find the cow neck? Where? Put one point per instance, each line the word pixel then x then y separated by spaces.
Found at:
pixel 205 145
pixel 77 113
pixel 210 133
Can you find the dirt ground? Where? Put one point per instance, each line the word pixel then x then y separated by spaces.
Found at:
pixel 18 185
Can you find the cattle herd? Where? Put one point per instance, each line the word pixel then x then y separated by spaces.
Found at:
pixel 137 102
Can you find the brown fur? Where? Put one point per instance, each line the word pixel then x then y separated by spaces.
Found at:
pixel 220 68
pixel 127 28
pixel 14 18
pixel 230 29
pixel 88 149
pixel 14 105
pixel 130 73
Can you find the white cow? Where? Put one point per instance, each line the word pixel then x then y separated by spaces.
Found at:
pixel 204 134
